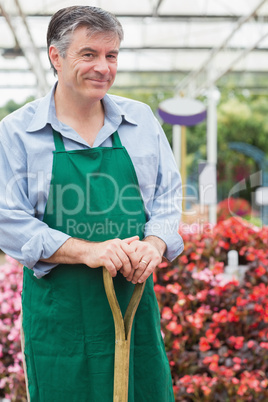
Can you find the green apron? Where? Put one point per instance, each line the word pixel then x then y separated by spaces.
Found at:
pixel 67 322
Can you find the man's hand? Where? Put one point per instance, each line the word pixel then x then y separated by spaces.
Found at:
pixel 135 259
pixel 148 254
pixel 114 254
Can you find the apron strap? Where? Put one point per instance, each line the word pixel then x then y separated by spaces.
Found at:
pixel 116 140
pixel 58 141
pixel 59 144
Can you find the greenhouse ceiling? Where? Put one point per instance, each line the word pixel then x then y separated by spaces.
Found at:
pixel 184 46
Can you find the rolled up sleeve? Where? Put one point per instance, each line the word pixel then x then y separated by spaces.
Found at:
pixel 22 235
pixel 165 212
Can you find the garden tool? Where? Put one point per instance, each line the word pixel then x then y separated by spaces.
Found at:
pixel 122 335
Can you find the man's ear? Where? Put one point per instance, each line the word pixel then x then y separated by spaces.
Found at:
pixel 55 57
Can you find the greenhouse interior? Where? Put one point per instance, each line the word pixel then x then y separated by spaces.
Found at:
pixel 202 67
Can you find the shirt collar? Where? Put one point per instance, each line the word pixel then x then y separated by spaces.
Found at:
pixel 46 113
pixel 115 111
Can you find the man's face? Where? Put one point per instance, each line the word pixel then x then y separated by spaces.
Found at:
pixel 90 65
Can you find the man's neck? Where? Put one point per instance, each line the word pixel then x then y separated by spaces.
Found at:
pixel 86 118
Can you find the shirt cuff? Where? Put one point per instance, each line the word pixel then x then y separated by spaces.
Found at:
pixel 41 246
pixel 42 268
pixel 173 241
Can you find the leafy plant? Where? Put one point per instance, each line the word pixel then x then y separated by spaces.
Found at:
pixel 216 333
pixel 12 385
pixel 233 207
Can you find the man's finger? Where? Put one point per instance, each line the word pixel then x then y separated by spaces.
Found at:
pixel 145 274
pixel 132 254
pixel 125 269
pixel 129 240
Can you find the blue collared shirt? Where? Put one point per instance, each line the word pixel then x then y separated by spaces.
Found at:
pixel 26 146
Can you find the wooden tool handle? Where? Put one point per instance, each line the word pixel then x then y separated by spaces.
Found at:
pixel 122 334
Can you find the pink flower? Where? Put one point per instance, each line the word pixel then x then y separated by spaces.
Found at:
pixel 173 327
pixel 242 390
pixel 250 344
pixel 206 390
pixel 173 288
pixel 203 344
pixel 167 313
pixel 237 341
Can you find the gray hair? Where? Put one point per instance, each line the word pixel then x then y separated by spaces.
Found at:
pixel 65 21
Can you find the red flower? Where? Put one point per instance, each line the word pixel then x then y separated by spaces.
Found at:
pixel 237 360
pixel 176 345
pixel 190 267
pixel 237 341
pixel 212 361
pixel 211 334
pixel 173 327
pixel 190 389
pixel 186 379
pixel 224 244
pixel 183 259
pixel 225 372
pixel 250 344
pixel 204 344
pixel 163 265
pixel 241 302
pixel 233 315
pixel 173 288
pixel 167 313
pixel 206 390
pixel 242 390
pixel 218 268
pixel 260 270
pixel 159 289
pixel 222 316
pixel 194 256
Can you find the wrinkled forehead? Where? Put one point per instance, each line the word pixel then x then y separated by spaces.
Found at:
pixel 81 38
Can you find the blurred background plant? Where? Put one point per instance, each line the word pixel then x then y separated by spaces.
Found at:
pixel 216 332
pixel 233 207
pixel 12 384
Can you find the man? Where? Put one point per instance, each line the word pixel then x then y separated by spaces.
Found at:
pixel 89 181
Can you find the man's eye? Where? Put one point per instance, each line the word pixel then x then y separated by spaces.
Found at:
pixel 112 56
pixel 88 55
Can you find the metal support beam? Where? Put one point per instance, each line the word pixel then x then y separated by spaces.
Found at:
pixel 158 4
pixel 207 18
pixel 24 41
pixel 174 48
pixel 196 74
pixel 212 145
pixel 210 82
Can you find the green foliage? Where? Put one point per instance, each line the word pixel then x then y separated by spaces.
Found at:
pixel 150 98
pixel 241 119
pixel 11 106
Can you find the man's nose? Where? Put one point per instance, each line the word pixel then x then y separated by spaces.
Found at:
pixel 102 65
